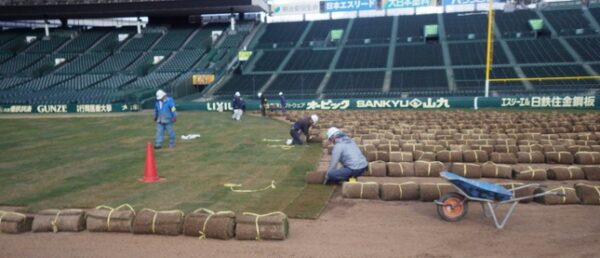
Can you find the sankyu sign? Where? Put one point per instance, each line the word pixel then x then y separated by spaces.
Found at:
pixel 343 104
pixel 391 4
pixel 349 5
pixel 70 108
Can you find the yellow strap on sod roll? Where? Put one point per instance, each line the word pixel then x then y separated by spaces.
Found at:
pixel 54 226
pixel 156 214
pixel 112 210
pixel 231 186
pixel 258 216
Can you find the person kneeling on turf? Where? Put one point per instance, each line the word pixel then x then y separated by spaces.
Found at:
pixel 302 125
pixel 346 152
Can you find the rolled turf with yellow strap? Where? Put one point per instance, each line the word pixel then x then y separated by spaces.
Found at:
pixel 14 222
pixel 568 196
pixel 399 191
pixel 204 223
pixel 360 190
pixel 588 193
pixel 270 226
pixel 108 219
pixel 148 221
pixel 53 220
pixel 429 192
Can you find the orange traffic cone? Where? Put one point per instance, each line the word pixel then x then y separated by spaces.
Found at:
pixel 150 175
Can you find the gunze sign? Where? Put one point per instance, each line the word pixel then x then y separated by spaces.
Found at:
pixel 69 108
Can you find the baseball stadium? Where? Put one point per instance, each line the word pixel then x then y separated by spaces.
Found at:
pixel 299 128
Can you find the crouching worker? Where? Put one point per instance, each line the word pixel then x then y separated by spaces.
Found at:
pixel 164 116
pixel 346 152
pixel 302 126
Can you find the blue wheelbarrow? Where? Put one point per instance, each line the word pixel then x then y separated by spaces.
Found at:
pixel 453 206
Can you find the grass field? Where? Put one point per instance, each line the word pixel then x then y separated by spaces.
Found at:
pixel 89 161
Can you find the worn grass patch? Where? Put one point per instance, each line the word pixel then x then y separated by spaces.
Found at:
pixel 85 162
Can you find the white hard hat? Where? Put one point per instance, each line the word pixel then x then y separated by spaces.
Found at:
pixel 314 118
pixel 160 94
pixel 280 93
pixel 237 93
pixel 332 131
pixel 259 94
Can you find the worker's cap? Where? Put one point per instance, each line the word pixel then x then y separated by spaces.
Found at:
pixel 314 118
pixel 160 94
pixel 280 93
pixel 332 132
pixel 259 94
pixel 237 93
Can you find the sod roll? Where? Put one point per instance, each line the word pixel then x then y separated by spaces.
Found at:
pixel 527 172
pixel 108 219
pixel 401 156
pixel 591 172
pixel 429 192
pixel 398 169
pixel 565 173
pixel 587 157
pixel 568 195
pixel 67 220
pixel 531 157
pixel 470 170
pixel 493 170
pixel 588 193
pixel 423 155
pixel 428 168
pixel 449 156
pixel 148 221
pixel 360 190
pixel 504 158
pixel 527 191
pixel 315 177
pixel 399 191
pixel 559 157
pixel 270 226
pixel 475 156
pixel 204 223
pixel 376 168
pixel 14 222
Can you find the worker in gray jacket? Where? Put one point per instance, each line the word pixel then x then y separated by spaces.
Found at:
pixel 346 152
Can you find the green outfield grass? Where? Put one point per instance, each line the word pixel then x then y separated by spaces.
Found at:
pixel 89 161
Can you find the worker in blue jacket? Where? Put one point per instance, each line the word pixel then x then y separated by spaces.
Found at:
pixel 238 106
pixel 302 126
pixel 164 115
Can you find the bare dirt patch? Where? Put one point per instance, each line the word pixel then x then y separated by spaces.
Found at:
pixel 354 228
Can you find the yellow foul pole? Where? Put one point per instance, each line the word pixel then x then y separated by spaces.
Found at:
pixel 490 47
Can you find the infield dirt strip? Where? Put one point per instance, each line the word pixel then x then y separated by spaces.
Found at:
pixel 354 228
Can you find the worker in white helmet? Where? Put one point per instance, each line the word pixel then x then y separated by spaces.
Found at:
pixel 164 115
pixel 283 102
pixel 263 104
pixel 238 106
pixel 302 126
pixel 346 152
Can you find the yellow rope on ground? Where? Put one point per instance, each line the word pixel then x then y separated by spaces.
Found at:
pixel 258 216
pixel 112 210
pixel 210 215
pixel 284 147
pixel 271 140
pixel 156 214
pixel 231 186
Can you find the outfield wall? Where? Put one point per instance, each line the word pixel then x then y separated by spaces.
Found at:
pixel 541 102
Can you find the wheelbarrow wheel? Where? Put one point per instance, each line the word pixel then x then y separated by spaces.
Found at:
pixel 453 207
